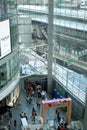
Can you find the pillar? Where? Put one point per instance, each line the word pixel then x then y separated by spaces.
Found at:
pixel 43 114
pixel 50 45
pixel 68 114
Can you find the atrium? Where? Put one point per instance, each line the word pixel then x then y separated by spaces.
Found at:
pixel 44 42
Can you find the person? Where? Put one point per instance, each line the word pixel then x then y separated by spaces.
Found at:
pixel 33 93
pixel 43 94
pixel 22 114
pixel 58 128
pixel 15 123
pixel 65 124
pixel 30 99
pixel 25 115
pixel 58 117
pixel 62 128
pixel 30 90
pixel 62 122
pixel 39 103
pixel 56 111
pixel 27 99
pixel 33 109
pixel 39 94
pixel 9 125
pixel 33 115
pixel 10 114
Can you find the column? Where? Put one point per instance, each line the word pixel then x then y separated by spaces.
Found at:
pixel 50 45
pixel 43 113
pixel 69 110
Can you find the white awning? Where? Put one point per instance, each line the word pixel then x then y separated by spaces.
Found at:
pixel 9 89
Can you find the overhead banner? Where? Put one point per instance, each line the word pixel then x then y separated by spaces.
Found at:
pixel 5 43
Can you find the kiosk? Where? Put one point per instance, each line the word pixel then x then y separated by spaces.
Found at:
pixel 57 103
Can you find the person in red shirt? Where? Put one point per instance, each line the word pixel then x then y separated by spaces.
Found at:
pixel 30 90
pixel 62 128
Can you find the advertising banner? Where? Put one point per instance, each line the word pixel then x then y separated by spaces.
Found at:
pixel 5 43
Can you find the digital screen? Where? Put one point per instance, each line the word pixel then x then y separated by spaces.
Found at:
pixel 5 43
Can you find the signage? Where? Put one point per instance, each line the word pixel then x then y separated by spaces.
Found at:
pixel 5 43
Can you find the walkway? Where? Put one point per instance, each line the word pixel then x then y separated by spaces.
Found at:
pixel 27 108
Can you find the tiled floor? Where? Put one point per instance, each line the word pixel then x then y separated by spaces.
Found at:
pixel 27 108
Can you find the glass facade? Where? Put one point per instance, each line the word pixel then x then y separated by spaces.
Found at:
pixel 9 64
pixel 69 57
pixel 9 70
pixel 30 24
pixel 69 51
pixel 7 9
pixel 31 38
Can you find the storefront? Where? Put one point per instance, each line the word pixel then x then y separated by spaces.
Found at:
pixel 13 96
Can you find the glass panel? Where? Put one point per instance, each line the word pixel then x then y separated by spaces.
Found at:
pixel 3 75
pixel 7 8
pixel 32 35
pixel 69 51
pixel 14 32
pixel 13 66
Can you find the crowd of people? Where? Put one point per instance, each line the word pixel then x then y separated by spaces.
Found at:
pixel 34 98
pixel 11 121
pixel 30 95
pixel 38 95
pixel 62 125
pixel 41 95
